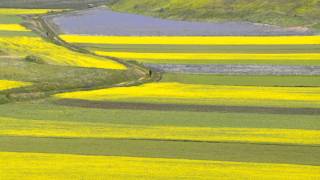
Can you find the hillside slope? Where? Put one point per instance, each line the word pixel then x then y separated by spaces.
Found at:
pixel 284 12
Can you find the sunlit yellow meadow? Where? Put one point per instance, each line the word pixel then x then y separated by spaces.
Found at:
pixel 5 84
pixel 52 53
pixel 45 128
pixel 12 27
pixel 11 11
pixel 194 40
pixel 210 56
pixel 198 94
pixel 45 166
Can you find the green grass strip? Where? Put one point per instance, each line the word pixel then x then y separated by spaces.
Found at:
pixel 203 48
pixel 44 111
pixel 17 33
pixel 10 19
pixel 165 149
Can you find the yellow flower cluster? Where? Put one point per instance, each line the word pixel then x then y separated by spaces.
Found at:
pixel 12 27
pixel 5 84
pixel 14 165
pixel 206 94
pixel 43 128
pixel 194 40
pixel 210 56
pixel 53 53
pixel 12 11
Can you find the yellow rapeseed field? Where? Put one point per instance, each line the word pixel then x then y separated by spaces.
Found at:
pixel 53 53
pixel 12 27
pixel 210 56
pixel 12 11
pixel 5 84
pixel 194 40
pixel 14 165
pixel 206 94
pixel 46 128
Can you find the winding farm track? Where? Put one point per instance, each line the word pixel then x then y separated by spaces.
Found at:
pixel 41 25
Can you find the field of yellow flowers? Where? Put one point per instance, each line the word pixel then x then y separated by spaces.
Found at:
pixel 73 167
pixel 180 40
pixel 205 50
pixel 5 84
pixel 24 46
pixel 72 115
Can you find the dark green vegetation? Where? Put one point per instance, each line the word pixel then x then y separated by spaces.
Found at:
pixel 284 13
pixel 243 80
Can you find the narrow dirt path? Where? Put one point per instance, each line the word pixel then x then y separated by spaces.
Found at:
pixel 39 25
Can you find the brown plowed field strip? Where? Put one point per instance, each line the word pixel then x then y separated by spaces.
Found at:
pixel 194 108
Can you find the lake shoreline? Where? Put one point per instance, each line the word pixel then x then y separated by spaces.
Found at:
pixel 102 21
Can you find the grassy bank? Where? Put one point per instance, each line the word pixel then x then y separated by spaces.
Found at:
pixel 284 13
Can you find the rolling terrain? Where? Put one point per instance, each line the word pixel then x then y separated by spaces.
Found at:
pixel 283 13
pixel 76 106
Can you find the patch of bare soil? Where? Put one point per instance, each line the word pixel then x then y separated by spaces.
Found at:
pixel 237 69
